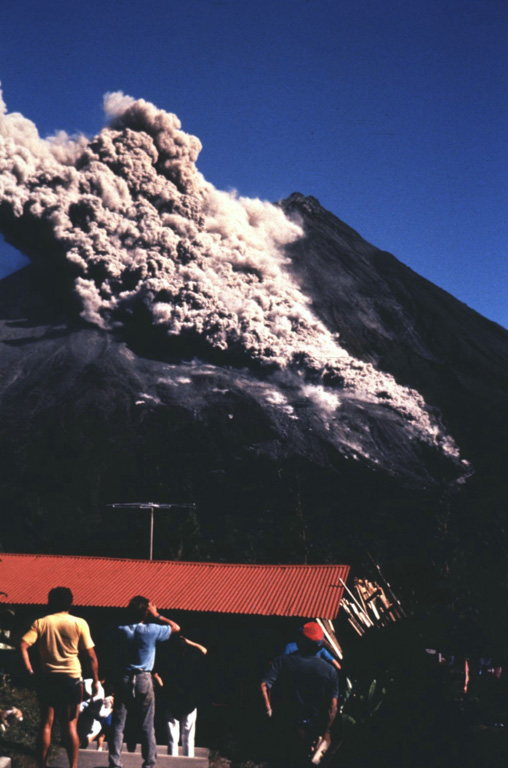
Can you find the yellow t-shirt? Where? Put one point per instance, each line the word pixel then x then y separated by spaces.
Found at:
pixel 60 638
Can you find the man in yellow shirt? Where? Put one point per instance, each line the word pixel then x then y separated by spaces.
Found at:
pixel 60 639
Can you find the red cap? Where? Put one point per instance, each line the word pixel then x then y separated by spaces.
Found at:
pixel 312 631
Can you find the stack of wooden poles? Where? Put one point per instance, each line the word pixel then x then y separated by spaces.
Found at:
pixel 367 605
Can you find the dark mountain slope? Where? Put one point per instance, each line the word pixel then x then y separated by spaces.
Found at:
pixel 388 315
pixel 86 421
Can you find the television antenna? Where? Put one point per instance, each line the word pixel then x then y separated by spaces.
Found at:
pixel 151 506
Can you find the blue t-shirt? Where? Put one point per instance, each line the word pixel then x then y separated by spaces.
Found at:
pixel 136 645
pixel 321 654
pixel 303 687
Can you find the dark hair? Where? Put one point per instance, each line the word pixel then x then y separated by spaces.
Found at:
pixel 137 608
pixel 60 599
pixel 306 646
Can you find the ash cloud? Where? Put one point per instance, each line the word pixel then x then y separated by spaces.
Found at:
pixel 135 224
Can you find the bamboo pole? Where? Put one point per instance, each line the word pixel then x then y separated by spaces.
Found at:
pixel 359 609
pixel 352 620
pixel 332 631
pixel 366 587
pixel 360 595
pixel 331 640
pixel 388 588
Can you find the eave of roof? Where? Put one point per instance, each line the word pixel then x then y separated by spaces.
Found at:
pixel 266 590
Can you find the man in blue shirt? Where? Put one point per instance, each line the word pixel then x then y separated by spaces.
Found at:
pixel 134 647
pixel 303 691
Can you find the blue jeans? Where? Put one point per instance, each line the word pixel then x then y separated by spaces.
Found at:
pixel 133 694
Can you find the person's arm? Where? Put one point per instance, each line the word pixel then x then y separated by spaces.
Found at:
pixel 265 692
pixel 201 648
pixel 269 679
pixel 94 667
pixel 466 675
pixel 23 647
pixel 332 713
pixel 325 654
pixel 153 612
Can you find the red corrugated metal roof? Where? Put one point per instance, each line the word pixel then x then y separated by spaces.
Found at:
pixel 267 590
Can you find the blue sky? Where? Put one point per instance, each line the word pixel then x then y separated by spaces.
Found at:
pixel 393 114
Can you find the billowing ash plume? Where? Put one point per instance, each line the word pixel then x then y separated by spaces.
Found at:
pixel 139 228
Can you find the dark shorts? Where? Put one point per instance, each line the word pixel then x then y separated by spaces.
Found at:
pixel 60 691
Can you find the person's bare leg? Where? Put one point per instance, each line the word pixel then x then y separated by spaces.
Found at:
pixel 71 738
pixel 44 737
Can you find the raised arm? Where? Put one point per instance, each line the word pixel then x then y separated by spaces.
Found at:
pixel 201 648
pixel 153 612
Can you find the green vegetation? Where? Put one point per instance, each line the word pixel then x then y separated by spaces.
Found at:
pixel 18 741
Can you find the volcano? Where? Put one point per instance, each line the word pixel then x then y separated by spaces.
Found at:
pixel 91 416
pixel 313 397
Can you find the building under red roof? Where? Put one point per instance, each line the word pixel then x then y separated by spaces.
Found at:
pixel 265 590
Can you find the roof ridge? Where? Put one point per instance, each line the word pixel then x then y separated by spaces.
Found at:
pixel 192 563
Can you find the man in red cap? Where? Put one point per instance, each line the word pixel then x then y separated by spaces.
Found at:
pixel 322 652
pixel 303 691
